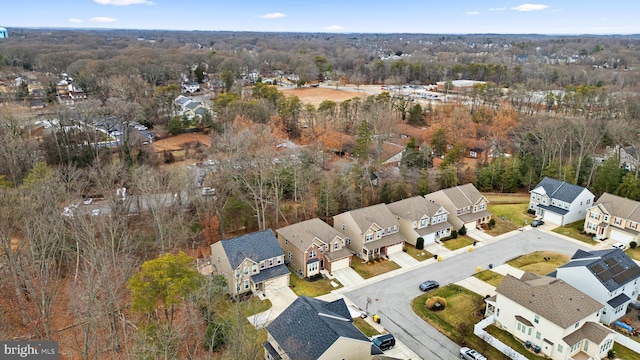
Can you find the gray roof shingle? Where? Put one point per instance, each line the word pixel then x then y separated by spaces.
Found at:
pixel 612 267
pixel 560 190
pixel 256 246
pixel 308 327
pixel 551 298
pixel 414 208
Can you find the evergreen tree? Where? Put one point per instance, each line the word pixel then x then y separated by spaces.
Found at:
pixel 363 140
pixel 630 187
pixel 608 177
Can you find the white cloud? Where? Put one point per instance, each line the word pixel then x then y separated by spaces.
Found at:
pixel 498 9
pixel 123 2
pixel 103 19
pixel 75 21
pixel 530 7
pixel 334 28
pixel 473 13
pixel 275 15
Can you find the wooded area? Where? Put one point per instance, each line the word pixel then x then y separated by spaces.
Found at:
pixel 563 107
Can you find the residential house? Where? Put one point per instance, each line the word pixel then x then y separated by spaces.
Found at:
pixel 465 204
pixel 609 276
pixel 252 262
pixel 181 103
pixel 557 319
pixel 371 232
pixel 190 87
pixel 391 154
pixel 628 157
pixel 313 245
pixel 614 217
pixel 313 329
pixel 419 217
pixel 559 202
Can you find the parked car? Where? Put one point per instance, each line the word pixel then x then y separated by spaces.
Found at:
pixel 620 246
pixel 429 285
pixel 95 212
pixel 384 341
pixel 470 354
pixel 87 201
pixel 537 222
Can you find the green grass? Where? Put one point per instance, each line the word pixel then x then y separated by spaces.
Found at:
pixel 507 198
pixel 464 309
pixel 508 217
pixel 624 353
pixel 512 342
pixel 457 243
pixel 575 231
pixel 370 269
pixel 311 288
pixel 634 253
pixel 535 262
pixel 419 255
pixel 490 277
pixel 365 327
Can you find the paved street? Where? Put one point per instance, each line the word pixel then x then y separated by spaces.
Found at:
pixel 392 295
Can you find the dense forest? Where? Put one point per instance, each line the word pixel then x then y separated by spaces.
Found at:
pixel 557 106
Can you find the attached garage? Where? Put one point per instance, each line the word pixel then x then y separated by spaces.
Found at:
pixel 553 218
pixel 394 248
pixel 276 283
pixel 339 264
pixel 621 236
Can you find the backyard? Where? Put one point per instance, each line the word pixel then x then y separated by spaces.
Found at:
pixel 539 262
pixel 369 269
pixel 509 212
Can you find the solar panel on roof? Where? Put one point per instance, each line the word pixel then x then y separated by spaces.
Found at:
pixel 620 278
pixel 617 269
pixel 597 268
pixel 605 275
pixel 611 261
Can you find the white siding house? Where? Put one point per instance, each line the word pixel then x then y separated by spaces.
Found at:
pixel 559 202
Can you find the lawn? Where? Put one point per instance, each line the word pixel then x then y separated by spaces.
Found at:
pixel 624 353
pixel 508 217
pixel 311 288
pixel 490 277
pixel 419 255
pixel 634 253
pixel 372 268
pixel 512 342
pixel 457 243
pixel 575 231
pixel 456 321
pixel 535 262
pixel 364 326
pixel 507 198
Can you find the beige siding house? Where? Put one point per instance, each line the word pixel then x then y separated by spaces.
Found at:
pixel 250 263
pixel 465 204
pixel 614 217
pixel 311 329
pixel 313 245
pixel 556 319
pixel 419 217
pixel 371 232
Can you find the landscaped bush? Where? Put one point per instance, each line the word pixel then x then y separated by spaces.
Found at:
pixel 420 243
pixel 462 231
pixel 633 244
pixel 436 303
pixel 454 234
pixel 492 223
pixel 531 211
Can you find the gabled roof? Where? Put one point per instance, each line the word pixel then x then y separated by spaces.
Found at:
pixel 463 195
pixel 559 190
pixel 308 327
pixel 414 208
pixel 551 298
pixel 612 267
pixel 302 234
pixel 376 214
pixel 619 206
pixel 594 332
pixel 256 246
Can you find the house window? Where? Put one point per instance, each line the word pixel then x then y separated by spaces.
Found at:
pixel 576 346
pixel 312 254
pixel 529 333
pixel 246 284
pixel 588 201
pixel 270 262
pixel 389 230
pixel 286 242
pixel 379 234
pixel 336 245
pixel 423 223
pixel 538 335
pixel 218 258
pixel 536 319
pixel 497 312
pixel 395 228
pixel 290 256
pixel 606 218
pixel 246 270
pixel 261 264
pixel 254 268
pixel 368 237
pixel 560 348
pixel 606 346
pixel 237 273
pixel 279 260
pixel 313 266
pixel 348 241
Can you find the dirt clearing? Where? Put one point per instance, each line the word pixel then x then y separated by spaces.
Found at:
pixel 179 142
pixel 317 95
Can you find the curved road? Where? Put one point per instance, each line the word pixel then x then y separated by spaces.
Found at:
pixel 392 297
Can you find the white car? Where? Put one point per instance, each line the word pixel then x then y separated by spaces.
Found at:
pixel 87 201
pixel 95 212
pixel 620 246
pixel 470 354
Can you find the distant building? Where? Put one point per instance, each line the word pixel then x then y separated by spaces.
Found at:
pixel 3 33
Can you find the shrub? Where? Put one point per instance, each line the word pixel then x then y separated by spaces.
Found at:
pixel 531 211
pixel 454 234
pixel 436 303
pixel 420 243
pixel 463 230
pixel 492 223
pixel 633 244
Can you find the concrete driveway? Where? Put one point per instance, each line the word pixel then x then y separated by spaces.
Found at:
pixel 392 296
pixel 403 259
pixel 280 300
pixel 348 277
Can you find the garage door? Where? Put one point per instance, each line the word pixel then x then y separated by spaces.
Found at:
pixel 339 264
pixel 471 225
pixel 552 218
pixel 621 236
pixel 394 249
pixel 276 283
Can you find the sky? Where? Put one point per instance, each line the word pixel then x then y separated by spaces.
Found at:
pixel 569 17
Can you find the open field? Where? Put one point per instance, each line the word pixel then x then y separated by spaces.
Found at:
pixel 315 96
pixel 179 142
